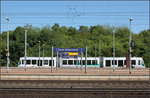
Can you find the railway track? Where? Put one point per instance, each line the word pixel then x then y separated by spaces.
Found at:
pixel 77 89
pixel 73 89
pixel 73 84
pixel 71 93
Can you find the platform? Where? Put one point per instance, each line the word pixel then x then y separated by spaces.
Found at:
pixel 16 73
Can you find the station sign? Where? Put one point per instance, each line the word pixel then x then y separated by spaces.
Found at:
pixel 69 49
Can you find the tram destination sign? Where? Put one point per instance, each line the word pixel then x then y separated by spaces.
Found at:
pixel 61 53
pixel 66 57
pixel 69 49
pixel 70 53
pixel 73 53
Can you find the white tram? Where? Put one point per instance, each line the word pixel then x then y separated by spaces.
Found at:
pixel 136 62
pixel 36 61
pixel 103 62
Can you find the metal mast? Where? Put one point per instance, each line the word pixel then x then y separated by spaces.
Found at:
pixel 130 45
pixel 25 49
pixel 43 54
pixel 99 53
pixel 113 50
pixel 8 60
pixel 39 54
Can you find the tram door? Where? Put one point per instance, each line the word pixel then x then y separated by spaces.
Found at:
pixel 40 62
pixel 101 62
pixel 59 62
pixel 50 62
pixel 120 63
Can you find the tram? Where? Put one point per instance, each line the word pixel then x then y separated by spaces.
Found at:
pixel 103 62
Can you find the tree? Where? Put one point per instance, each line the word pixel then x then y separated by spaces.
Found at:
pixel 70 37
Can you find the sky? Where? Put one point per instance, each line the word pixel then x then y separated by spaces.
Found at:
pixel 75 13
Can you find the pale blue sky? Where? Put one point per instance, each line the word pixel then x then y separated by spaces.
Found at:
pixel 75 13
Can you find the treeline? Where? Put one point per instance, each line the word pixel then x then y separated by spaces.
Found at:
pixel 70 37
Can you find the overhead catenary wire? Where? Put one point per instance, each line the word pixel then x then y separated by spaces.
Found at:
pixel 74 14
pixel 74 10
pixel 77 23
pixel 46 17
pixel 67 5
pixel 80 14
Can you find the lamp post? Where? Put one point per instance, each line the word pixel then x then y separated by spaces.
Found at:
pixel 43 54
pixel 8 61
pixel 52 60
pixel 95 54
pixel 99 54
pixel 86 60
pixel 39 54
pixel 113 50
pixel 25 49
pixel 130 45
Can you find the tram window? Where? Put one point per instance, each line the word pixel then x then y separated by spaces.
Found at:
pixel 108 63
pixel 94 62
pixel 124 62
pixel 83 62
pixel 40 62
pixel 19 62
pixel 79 62
pixel 133 62
pixel 75 62
pixel 120 62
pixel 70 62
pixel 33 62
pixel 45 62
pixel 88 62
pixel 64 62
pixel 28 61
pixel 50 62
pixel 53 62
pixel 22 61
pixel 115 62
pixel 138 62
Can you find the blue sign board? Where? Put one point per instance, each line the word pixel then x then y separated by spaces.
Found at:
pixel 69 50
pixel 69 57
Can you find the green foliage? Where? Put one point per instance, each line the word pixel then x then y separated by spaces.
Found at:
pixel 70 37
